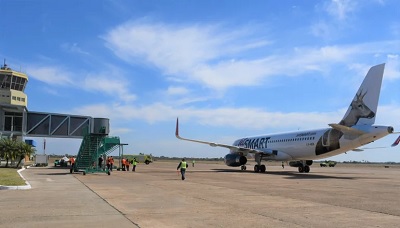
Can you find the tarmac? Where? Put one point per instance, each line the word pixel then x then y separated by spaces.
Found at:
pixel 213 195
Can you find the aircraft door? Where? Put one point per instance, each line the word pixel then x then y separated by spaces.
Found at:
pixel 326 138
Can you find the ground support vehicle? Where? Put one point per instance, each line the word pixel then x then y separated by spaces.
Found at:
pixel 141 158
pixel 60 162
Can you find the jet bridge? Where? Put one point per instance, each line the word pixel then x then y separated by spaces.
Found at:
pixel 58 125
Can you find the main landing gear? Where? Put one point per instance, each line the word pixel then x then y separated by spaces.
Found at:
pixel 243 167
pixel 259 168
pixel 304 169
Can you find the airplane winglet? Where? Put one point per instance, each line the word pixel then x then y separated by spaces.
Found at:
pixel 396 142
pixel 177 128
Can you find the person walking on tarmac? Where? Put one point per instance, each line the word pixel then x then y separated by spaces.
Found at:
pixel 111 163
pixel 134 163
pixel 182 165
pixel 123 163
pixel 127 163
pixel 108 163
pixel 72 161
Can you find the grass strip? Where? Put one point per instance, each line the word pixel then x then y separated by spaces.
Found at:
pixel 10 177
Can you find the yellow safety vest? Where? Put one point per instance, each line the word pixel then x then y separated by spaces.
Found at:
pixel 183 165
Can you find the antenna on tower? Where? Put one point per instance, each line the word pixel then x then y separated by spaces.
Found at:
pixel 4 67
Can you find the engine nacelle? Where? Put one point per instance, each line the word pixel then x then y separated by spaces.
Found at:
pixel 235 160
pixel 300 163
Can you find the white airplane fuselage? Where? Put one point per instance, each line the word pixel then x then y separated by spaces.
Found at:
pixel 309 144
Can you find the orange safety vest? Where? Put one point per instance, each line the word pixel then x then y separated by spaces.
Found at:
pixel 123 161
pixel 72 160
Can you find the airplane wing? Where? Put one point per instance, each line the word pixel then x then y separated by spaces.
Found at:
pixel 231 147
pixel 395 143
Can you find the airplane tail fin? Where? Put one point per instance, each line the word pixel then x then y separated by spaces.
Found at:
pixel 396 142
pixel 363 108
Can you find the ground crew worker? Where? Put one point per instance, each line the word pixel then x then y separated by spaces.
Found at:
pixel 72 160
pixel 127 164
pixel 111 163
pixel 193 163
pixel 134 162
pixel 182 165
pixel 108 163
pixel 283 165
pixel 123 164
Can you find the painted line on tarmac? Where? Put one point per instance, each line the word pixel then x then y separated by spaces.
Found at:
pixel 137 225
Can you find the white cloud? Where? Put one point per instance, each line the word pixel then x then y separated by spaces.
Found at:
pixel 73 48
pixel 51 75
pixel 174 49
pixel 340 9
pixel 240 118
pixel 206 55
pixel 108 81
pixel 174 90
pixel 185 51
pixel 392 69
pixel 323 29
pixel 112 87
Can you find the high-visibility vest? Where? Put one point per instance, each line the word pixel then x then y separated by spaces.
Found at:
pixel 134 162
pixel 183 165
pixel 72 160
pixel 123 161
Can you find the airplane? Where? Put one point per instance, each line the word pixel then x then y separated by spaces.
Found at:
pixel 300 148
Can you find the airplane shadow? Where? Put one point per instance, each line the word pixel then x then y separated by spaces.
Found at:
pixel 288 174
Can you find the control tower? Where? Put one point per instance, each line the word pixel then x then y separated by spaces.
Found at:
pixel 13 102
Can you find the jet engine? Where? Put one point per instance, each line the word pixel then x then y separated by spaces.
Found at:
pixel 300 163
pixel 235 160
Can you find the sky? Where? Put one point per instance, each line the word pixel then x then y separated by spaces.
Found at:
pixel 228 69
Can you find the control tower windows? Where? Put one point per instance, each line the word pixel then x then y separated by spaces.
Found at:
pixel 12 82
pixel 5 80
pixel 18 83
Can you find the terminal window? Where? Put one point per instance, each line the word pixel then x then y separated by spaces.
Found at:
pixel 12 121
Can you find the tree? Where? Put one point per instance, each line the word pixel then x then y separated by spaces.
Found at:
pixel 8 148
pixel 13 150
pixel 24 150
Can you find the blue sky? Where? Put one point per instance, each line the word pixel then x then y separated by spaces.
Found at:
pixel 227 69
